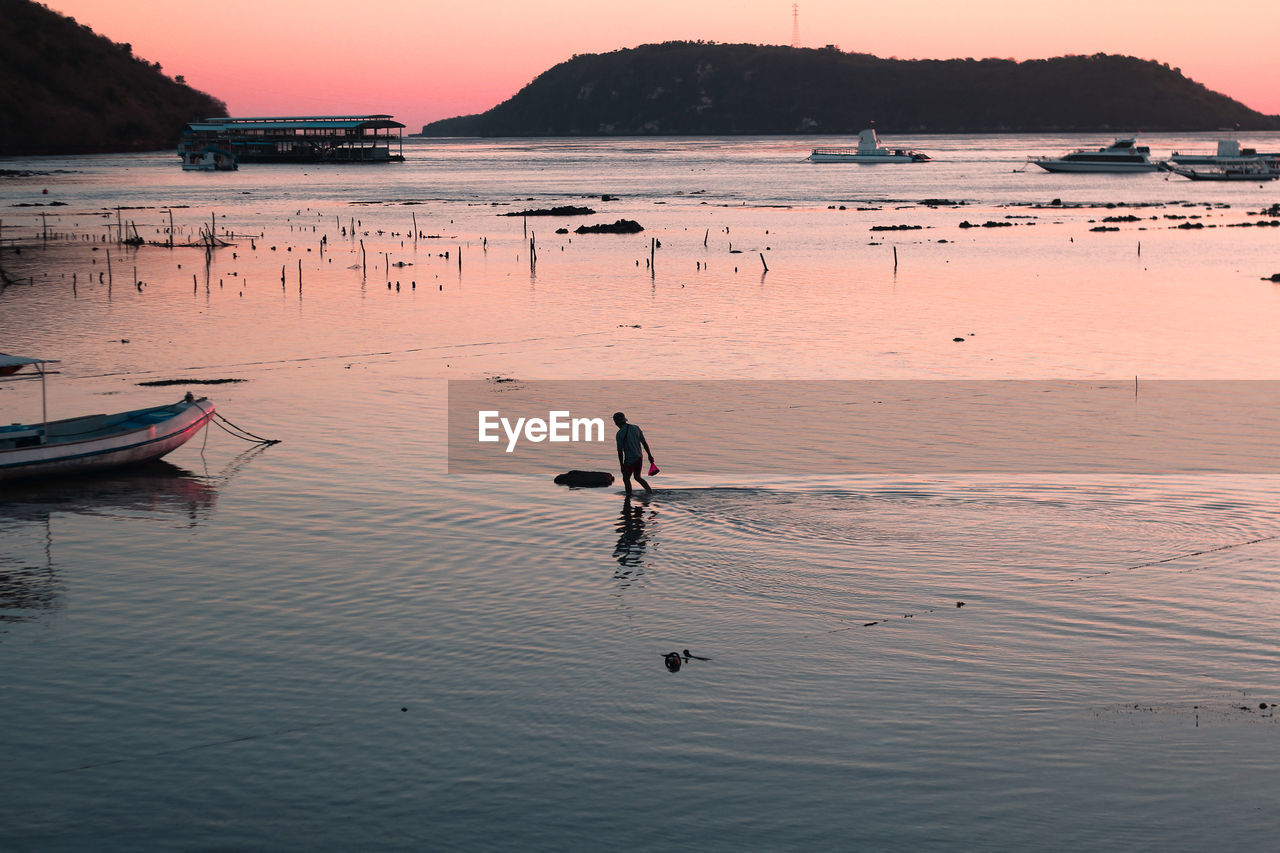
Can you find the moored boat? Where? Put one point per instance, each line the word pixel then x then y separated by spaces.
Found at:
pixel 210 158
pixel 1249 170
pixel 869 150
pixel 1228 153
pixel 1123 155
pixel 94 442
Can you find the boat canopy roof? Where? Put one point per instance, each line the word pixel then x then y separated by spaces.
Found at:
pixel 367 122
pixel 7 360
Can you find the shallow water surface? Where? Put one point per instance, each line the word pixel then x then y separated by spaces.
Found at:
pixel 333 643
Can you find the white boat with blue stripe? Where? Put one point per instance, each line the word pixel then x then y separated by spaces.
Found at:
pixel 92 443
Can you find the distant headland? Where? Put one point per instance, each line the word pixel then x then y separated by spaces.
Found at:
pixel 679 88
pixel 66 90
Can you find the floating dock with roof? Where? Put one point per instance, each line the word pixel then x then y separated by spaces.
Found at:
pixel 298 139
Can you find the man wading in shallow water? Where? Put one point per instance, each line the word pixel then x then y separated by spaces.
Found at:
pixel 630 440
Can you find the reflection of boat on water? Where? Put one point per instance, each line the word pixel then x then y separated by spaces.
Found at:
pixel 869 150
pixel 151 487
pixel 1123 155
pixel 30 586
pixel 94 442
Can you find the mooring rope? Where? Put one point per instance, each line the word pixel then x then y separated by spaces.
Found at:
pixel 238 431
pixel 217 419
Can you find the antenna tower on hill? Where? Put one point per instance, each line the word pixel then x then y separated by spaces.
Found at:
pixel 795 24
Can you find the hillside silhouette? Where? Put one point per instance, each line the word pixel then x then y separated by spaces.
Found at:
pixel 66 90
pixel 707 88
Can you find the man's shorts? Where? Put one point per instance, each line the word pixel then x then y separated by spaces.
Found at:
pixel 632 468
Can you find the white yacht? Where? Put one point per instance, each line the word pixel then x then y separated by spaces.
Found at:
pixel 869 150
pixel 1123 155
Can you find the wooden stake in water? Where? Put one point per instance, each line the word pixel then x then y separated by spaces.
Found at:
pixel 762 263
pixel 895 258
pixel 364 266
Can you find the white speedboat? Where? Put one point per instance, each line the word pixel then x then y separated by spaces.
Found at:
pixel 869 150
pixel 1123 155
pixel 92 442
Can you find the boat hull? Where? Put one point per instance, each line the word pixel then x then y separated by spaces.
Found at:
pixel 1224 175
pixel 1116 168
pixel 108 441
pixel 817 157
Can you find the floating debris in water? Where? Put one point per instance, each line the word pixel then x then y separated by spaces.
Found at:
pixel 156 383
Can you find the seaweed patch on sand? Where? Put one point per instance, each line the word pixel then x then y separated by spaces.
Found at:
pixel 156 383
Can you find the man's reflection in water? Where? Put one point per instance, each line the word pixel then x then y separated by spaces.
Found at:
pixel 629 552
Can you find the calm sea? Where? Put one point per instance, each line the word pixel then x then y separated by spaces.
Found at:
pixel 335 643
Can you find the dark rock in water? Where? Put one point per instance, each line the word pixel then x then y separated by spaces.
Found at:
pixel 566 210
pixel 585 479
pixel 562 230
pixel 622 226
pixel 1274 277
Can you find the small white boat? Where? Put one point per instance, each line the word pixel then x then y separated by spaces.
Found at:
pixel 869 150
pixel 92 442
pixel 210 158
pixel 1123 155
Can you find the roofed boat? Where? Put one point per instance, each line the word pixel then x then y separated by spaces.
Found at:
pixel 297 139
pixel 92 443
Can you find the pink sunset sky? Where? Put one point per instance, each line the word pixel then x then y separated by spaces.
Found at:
pixel 422 60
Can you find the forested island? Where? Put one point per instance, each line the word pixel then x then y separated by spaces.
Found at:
pixel 66 90
pixel 706 88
